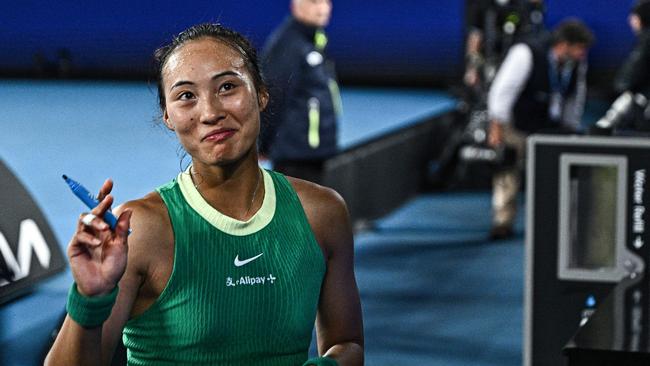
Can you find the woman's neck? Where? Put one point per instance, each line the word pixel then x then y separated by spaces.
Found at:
pixel 236 190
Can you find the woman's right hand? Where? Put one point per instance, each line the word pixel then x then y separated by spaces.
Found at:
pixel 98 255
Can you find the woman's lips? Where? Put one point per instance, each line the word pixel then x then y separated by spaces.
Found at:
pixel 220 135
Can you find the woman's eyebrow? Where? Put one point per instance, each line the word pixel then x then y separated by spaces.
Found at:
pixel 215 77
pixel 225 73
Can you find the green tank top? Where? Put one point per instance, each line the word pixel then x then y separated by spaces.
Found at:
pixel 240 293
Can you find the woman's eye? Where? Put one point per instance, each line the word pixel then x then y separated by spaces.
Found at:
pixel 185 96
pixel 227 87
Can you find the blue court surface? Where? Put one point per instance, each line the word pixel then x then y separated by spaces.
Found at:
pixel 434 291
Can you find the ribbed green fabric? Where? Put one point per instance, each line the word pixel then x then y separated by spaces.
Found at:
pixel 213 312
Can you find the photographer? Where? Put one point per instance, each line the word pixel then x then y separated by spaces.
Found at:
pixel 493 26
pixel 540 87
pixel 630 110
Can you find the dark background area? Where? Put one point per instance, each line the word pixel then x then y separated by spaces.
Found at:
pixel 408 43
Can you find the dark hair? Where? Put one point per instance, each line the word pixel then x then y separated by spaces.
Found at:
pixel 217 32
pixel 573 31
pixel 642 10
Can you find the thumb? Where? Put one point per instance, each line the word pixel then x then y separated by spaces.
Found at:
pixel 123 224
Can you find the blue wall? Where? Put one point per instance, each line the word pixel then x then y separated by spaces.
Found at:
pixel 377 38
pixel 608 19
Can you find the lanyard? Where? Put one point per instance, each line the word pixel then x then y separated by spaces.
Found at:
pixel 558 79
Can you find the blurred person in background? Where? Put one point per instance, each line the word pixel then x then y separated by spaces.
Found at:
pixel 540 88
pixel 492 27
pixel 300 129
pixel 630 113
pixel 635 73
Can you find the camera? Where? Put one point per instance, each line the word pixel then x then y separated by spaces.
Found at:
pixel 500 157
pixel 475 149
pixel 628 110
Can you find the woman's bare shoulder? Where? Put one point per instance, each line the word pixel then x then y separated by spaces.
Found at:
pixel 317 197
pixel 150 224
pixel 325 209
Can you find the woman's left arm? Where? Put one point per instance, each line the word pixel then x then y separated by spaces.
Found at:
pixel 339 325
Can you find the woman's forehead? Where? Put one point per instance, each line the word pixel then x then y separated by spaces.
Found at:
pixel 204 52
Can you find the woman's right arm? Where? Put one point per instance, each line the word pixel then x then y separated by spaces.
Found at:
pixel 98 260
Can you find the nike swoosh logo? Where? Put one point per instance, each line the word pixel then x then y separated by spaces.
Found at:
pixel 239 263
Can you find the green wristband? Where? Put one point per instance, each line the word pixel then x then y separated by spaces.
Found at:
pixel 90 312
pixel 321 361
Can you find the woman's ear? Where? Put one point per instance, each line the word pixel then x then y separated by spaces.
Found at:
pixel 263 99
pixel 167 121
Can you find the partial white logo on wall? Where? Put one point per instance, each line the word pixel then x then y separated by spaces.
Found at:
pixel 30 242
pixel 29 251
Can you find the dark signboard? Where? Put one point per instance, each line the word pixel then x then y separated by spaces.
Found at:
pixel 585 233
pixel 29 251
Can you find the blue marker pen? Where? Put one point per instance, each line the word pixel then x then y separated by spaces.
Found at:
pixel 90 200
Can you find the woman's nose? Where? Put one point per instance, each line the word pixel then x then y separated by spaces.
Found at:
pixel 211 109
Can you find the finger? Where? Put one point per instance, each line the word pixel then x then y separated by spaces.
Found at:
pixel 103 206
pixel 123 224
pixel 82 243
pixel 88 239
pixel 87 219
pixel 106 188
pixel 91 222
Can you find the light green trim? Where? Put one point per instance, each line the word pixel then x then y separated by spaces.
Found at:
pixel 335 92
pixel 225 223
pixel 320 40
pixel 314 123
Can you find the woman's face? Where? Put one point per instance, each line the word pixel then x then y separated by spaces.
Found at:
pixel 211 101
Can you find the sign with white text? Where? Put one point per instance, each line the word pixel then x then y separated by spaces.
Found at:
pixel 29 251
